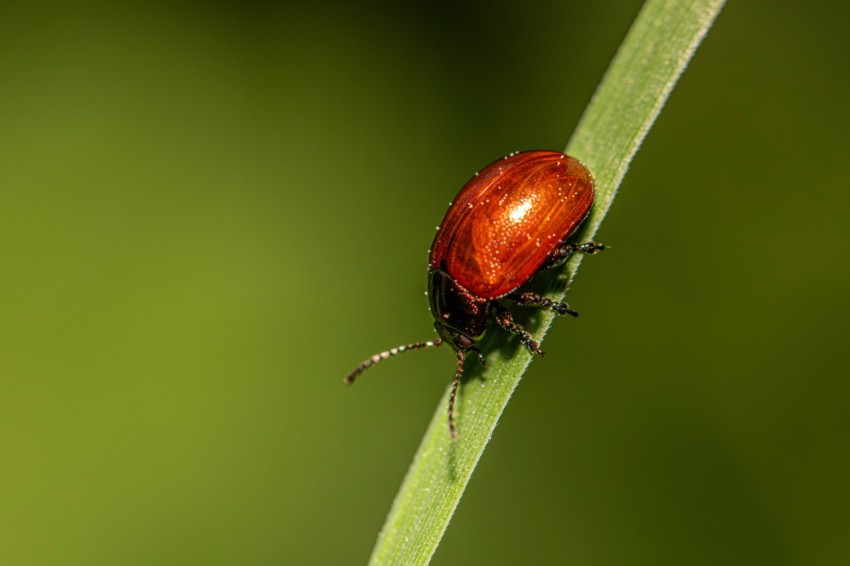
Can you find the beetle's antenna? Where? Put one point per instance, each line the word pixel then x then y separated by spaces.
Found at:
pixel 453 394
pixel 366 364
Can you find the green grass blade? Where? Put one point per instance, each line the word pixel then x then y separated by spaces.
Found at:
pixel 653 55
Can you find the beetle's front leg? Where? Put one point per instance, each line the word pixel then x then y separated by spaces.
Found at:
pixel 503 316
pixel 564 251
pixel 529 299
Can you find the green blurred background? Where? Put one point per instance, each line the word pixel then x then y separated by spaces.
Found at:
pixel 210 212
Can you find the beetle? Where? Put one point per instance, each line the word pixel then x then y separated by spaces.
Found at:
pixel 513 219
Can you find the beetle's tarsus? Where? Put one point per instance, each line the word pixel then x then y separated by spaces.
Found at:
pixel 563 252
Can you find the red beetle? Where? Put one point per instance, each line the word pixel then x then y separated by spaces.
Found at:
pixel 511 220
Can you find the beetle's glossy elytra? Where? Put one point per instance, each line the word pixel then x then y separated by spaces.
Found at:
pixel 508 219
pixel 512 219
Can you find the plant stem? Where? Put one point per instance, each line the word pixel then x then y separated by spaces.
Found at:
pixel 653 56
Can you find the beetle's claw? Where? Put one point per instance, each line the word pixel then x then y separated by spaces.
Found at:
pixel 534 348
pixel 564 309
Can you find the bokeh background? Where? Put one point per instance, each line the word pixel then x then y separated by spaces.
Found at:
pixel 210 212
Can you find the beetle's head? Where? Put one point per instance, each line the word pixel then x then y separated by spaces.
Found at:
pixel 459 316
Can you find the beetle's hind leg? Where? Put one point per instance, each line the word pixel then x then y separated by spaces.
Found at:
pixel 529 299
pixel 565 250
pixel 504 318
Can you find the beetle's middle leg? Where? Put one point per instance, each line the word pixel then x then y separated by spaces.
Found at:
pixel 503 316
